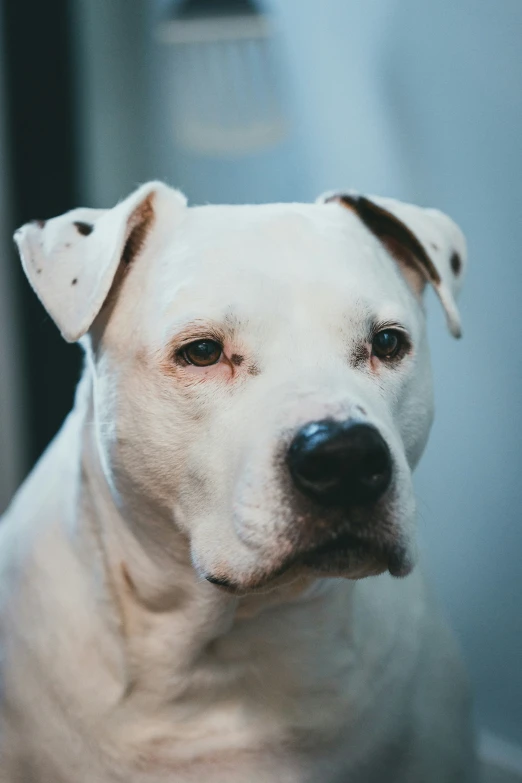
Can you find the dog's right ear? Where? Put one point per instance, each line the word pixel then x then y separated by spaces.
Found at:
pixel 71 260
pixel 427 245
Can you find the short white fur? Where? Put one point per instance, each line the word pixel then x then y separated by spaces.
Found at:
pixel 119 660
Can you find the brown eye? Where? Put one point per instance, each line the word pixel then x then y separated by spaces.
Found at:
pixel 202 353
pixel 388 343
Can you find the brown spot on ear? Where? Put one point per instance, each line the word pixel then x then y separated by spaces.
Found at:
pixel 39 223
pixel 346 201
pixel 141 222
pixel 393 233
pixel 456 263
pixel 83 228
pixel 253 369
pixel 74 281
pixel 237 359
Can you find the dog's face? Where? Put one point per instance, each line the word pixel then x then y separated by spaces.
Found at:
pixel 262 373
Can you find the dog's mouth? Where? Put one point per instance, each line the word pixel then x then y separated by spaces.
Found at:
pixel 344 555
pixel 351 556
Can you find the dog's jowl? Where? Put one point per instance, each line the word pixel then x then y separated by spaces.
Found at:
pixel 211 573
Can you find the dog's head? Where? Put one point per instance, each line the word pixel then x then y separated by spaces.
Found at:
pixel 262 376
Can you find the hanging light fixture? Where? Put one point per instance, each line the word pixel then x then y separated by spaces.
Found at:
pixel 225 83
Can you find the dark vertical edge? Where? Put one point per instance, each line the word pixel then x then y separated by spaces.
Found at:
pixel 43 174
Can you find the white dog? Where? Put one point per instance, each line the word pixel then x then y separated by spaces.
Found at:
pixel 181 577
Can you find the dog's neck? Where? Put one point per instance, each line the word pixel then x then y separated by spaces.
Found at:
pixel 178 632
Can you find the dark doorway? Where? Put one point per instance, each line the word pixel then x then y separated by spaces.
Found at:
pixel 43 173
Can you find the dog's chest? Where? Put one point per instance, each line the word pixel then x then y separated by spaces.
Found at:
pixel 230 747
pixel 298 714
pixel 234 744
pixel 282 700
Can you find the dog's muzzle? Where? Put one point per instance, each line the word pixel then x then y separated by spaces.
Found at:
pixel 342 477
pixel 344 470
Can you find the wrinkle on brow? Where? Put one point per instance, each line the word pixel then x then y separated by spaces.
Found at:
pixel 198 329
pixel 232 323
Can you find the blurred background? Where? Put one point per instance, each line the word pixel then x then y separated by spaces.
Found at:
pixel 240 102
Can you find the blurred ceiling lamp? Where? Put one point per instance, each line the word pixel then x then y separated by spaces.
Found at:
pixel 226 97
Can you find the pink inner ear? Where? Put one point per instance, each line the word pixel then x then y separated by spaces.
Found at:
pixel 409 265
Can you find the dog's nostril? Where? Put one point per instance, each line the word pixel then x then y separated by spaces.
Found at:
pixel 340 463
pixel 317 467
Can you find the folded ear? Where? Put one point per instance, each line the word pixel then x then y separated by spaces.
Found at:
pixel 427 244
pixel 71 261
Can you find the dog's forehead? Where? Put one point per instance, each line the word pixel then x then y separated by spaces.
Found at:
pixel 278 239
pixel 271 258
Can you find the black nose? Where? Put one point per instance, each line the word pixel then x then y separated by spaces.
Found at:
pixel 340 463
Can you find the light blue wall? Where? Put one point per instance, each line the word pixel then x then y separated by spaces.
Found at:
pixel 420 100
pixel 280 173
pixel 456 85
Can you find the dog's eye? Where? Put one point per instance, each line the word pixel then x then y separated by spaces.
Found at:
pixel 202 353
pixel 388 343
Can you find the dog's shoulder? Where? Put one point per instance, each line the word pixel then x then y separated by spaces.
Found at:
pixel 34 552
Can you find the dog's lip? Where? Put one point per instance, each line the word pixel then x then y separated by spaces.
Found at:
pixel 339 553
pixel 223 582
pixel 336 545
pixel 334 556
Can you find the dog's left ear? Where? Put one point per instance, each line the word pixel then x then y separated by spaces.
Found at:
pixel 71 261
pixel 426 243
